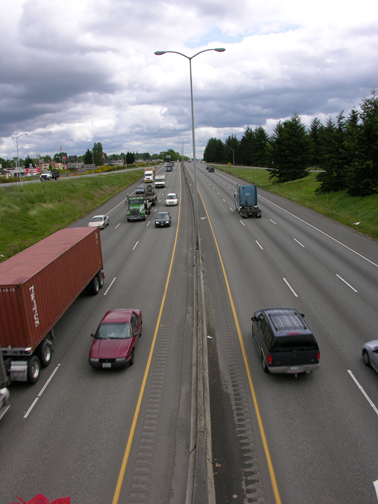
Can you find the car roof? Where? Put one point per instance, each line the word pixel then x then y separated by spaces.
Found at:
pixel 284 319
pixel 121 315
pixel 172 194
pixel 98 216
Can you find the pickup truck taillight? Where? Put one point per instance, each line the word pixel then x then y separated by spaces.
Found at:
pixel 270 360
pixel 318 356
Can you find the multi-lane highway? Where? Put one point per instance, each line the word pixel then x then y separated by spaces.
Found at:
pixel 320 430
pixel 124 436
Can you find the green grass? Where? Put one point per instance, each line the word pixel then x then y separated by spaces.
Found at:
pixel 34 211
pixel 338 206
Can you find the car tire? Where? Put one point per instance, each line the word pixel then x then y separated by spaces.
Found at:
pixel 366 358
pixel 44 352
pixel 264 366
pixel 140 332
pixel 34 369
pixel 131 361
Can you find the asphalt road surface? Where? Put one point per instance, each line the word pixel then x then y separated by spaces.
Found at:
pixel 102 437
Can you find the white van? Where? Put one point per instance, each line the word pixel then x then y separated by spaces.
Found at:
pixel 160 181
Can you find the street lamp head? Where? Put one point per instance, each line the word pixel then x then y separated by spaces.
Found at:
pixel 219 49
pixel 159 53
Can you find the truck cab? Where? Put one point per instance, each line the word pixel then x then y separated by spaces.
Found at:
pixel 246 201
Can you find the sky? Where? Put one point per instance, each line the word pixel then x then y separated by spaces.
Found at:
pixel 75 72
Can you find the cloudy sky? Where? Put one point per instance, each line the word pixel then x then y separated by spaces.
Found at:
pixel 75 72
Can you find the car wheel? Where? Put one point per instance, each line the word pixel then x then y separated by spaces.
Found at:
pixel 265 367
pixel 44 352
pixel 140 332
pixel 131 361
pixel 34 369
pixel 366 358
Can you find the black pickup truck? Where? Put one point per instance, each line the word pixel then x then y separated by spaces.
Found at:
pixel 284 341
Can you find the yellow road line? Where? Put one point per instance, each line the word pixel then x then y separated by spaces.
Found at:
pixel 254 397
pixel 146 372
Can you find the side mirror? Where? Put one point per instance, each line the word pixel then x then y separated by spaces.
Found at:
pixel 92 335
pixel 253 319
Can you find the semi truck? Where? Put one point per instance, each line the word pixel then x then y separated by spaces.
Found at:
pixel 246 201
pixel 149 175
pixel 138 206
pixel 37 286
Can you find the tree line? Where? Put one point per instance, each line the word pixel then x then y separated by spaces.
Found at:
pixel 344 149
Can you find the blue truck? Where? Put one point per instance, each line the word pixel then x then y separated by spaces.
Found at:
pixel 246 201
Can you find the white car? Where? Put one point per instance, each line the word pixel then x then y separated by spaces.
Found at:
pixel 100 221
pixel 171 199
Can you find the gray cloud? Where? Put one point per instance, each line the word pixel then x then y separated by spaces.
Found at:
pixel 76 72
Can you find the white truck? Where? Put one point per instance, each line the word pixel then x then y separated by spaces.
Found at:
pixel 160 181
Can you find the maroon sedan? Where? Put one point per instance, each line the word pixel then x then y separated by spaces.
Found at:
pixel 115 339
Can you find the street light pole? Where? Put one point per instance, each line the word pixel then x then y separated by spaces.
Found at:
pixel 233 155
pixel 18 157
pixel 160 53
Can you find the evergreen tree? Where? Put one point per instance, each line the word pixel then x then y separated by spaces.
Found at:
pixel 88 157
pixel 334 157
pixel 246 147
pixel 231 148
pixel 291 150
pixel 364 178
pixel 314 134
pixel 97 153
pixel 260 148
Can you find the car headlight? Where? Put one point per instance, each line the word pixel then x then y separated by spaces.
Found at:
pixel 121 359
pixel 94 360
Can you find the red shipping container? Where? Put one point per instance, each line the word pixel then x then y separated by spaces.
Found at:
pixel 39 284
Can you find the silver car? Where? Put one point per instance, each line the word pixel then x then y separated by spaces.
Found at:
pixel 370 354
pixel 100 221
pixel 171 199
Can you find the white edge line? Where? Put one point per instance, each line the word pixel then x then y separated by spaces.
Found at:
pixel 135 246
pixel 112 282
pixel 259 245
pixel 363 392
pixel 242 223
pixel 320 231
pixel 117 226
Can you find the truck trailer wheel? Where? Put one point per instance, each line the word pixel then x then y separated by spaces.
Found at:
pixel 100 279
pixel 44 352
pixel 34 369
pixel 94 286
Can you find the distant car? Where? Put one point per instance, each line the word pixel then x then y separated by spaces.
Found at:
pixel 168 168
pixel 140 190
pixel 207 167
pixel 370 354
pixel 171 199
pixel 163 219
pixel 100 221
pixel 211 169
pixel 114 342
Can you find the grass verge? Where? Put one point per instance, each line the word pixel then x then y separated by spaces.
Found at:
pixel 32 212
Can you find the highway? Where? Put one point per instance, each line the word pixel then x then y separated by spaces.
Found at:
pixel 124 436
pixel 320 429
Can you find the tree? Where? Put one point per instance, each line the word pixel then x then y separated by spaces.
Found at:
pixel 364 178
pixel 334 162
pixel 130 158
pixel 28 161
pixel 88 157
pixel 231 148
pixel 314 134
pixel 291 150
pixel 97 153
pixel 214 151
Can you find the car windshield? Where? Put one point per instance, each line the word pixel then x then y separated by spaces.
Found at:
pixel 113 331
pixel 97 219
pixel 162 215
pixel 137 201
pixel 297 343
pixel 171 196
